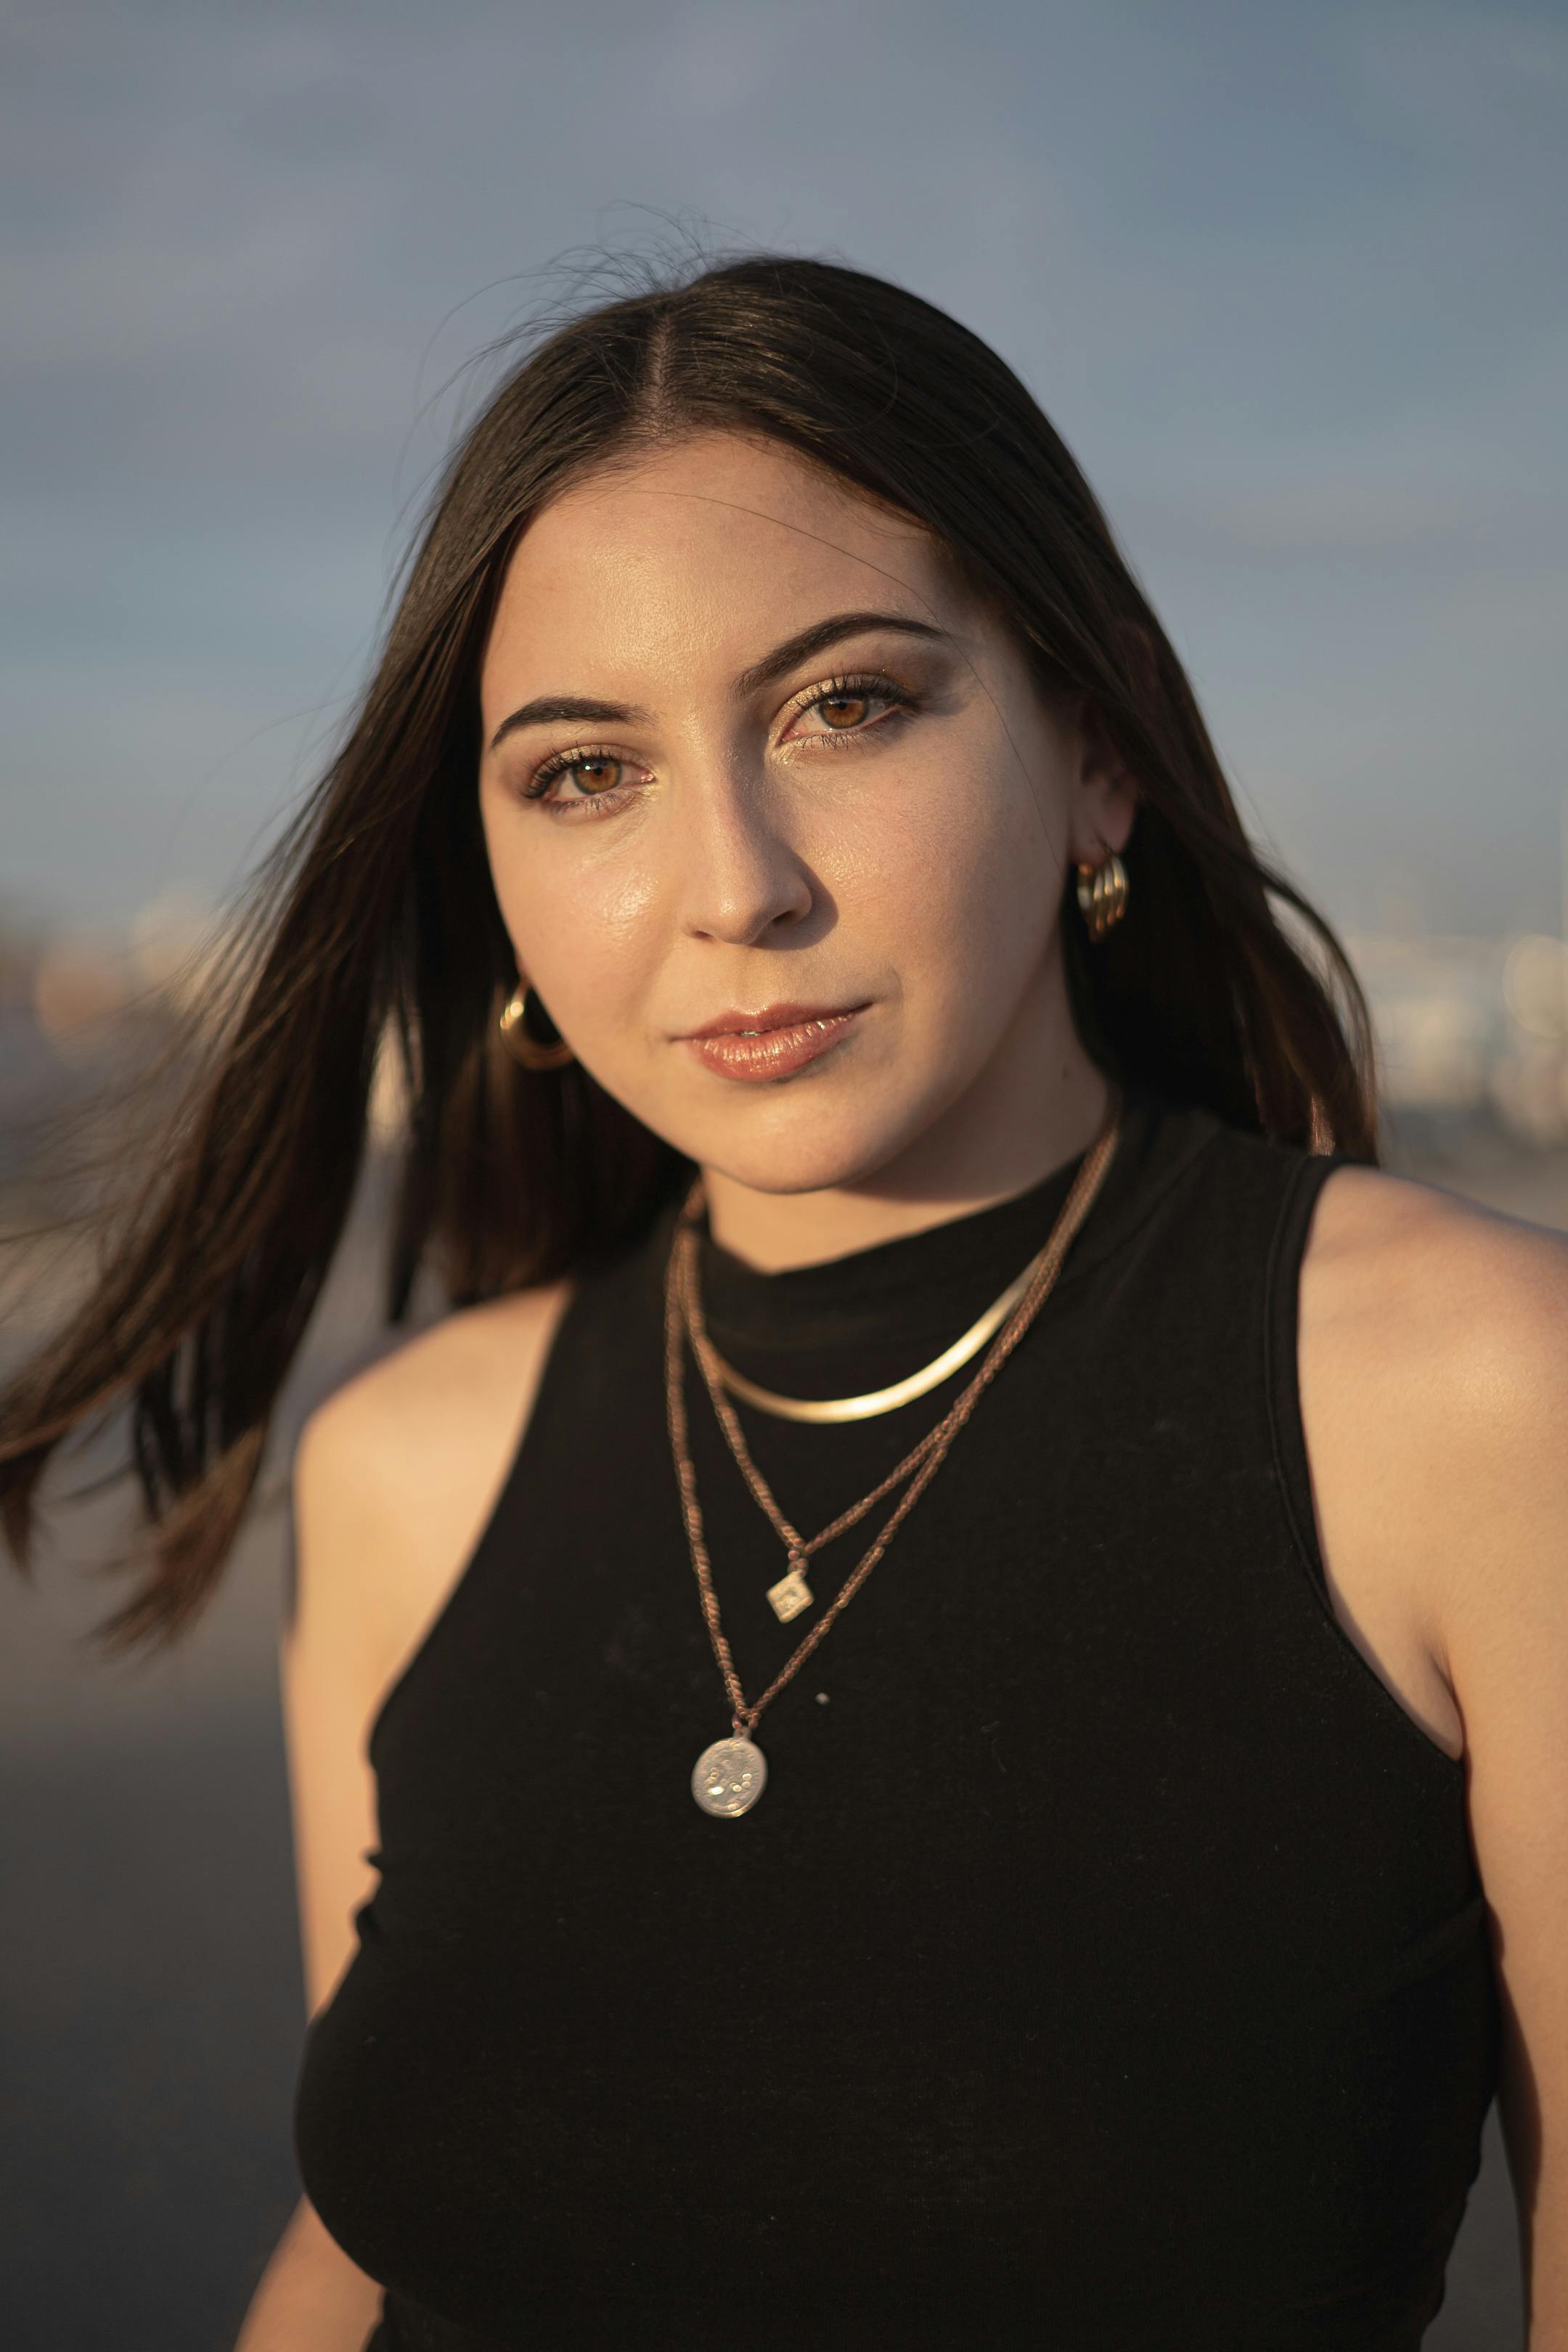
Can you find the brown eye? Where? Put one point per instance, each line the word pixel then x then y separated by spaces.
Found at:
pixel 844 709
pixel 596 771
pixel 849 707
pixel 592 776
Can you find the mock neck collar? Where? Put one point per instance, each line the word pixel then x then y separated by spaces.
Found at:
pixel 918 1286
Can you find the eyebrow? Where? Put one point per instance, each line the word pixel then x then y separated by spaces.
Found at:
pixel 553 709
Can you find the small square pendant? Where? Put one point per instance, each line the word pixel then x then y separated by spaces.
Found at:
pixel 790 1595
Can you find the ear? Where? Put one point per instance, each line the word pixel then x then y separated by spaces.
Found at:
pixel 1106 799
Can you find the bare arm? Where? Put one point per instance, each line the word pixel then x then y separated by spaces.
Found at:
pixel 1458 1385
pixel 394 1478
pixel 1507 1622
pixel 311 2298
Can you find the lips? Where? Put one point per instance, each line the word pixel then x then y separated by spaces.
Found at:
pixel 789 1015
pixel 741 1047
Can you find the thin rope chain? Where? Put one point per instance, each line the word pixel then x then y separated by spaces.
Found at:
pixel 930 1454
pixel 800 1549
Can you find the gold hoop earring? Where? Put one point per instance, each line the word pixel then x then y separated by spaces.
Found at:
pixel 1103 894
pixel 532 1053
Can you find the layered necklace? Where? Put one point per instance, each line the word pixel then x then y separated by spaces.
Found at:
pixel 729 1774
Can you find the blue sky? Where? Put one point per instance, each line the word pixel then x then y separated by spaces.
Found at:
pixel 1289 279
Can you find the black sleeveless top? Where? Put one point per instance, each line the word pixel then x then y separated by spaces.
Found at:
pixel 1104 1965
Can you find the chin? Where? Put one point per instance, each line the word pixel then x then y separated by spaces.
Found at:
pixel 806 1134
pixel 809 1152
pixel 815 1174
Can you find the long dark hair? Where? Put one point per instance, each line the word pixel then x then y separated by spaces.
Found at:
pixel 374 917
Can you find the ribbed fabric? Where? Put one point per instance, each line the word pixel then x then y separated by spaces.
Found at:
pixel 1104 1966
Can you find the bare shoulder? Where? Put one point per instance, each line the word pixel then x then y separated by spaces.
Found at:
pixel 481 1358
pixel 1435 1347
pixel 398 1469
pixel 394 1478
pixel 1446 1327
pixel 1412 1269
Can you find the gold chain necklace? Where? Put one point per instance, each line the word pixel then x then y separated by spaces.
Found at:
pixel 730 1775
pixel 875 1401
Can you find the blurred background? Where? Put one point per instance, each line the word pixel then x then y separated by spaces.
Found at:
pixel 1286 279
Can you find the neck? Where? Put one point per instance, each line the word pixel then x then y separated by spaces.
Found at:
pixel 1038 1104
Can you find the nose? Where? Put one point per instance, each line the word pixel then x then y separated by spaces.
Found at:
pixel 739 875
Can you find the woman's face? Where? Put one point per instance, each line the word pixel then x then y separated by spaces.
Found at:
pixel 748 745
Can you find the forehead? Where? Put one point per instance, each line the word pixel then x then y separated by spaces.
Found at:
pixel 696 558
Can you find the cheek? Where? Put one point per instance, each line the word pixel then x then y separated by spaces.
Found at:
pixel 580 934
pixel 972 865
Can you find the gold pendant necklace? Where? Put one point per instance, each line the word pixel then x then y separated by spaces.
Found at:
pixel 730 1773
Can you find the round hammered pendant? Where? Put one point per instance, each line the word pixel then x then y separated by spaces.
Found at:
pixel 730 1776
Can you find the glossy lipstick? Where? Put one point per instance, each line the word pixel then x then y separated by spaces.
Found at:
pixel 770 1044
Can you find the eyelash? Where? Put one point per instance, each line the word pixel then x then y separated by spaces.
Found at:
pixel 901 700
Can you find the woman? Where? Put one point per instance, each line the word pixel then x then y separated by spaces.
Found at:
pixel 1128 1727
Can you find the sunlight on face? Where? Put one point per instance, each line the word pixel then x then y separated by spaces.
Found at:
pixel 883 821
